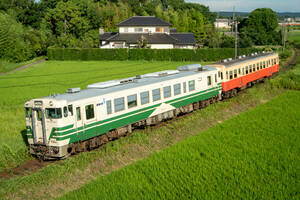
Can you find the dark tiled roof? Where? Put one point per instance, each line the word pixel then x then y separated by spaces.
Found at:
pixel 106 36
pixel 184 38
pixel 155 38
pixel 133 38
pixel 144 21
pixel 173 30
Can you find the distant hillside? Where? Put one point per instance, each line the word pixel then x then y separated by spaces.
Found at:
pixel 246 14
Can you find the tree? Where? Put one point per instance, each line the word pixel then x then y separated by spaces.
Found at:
pixel 260 27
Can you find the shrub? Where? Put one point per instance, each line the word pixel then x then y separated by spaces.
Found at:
pixel 213 54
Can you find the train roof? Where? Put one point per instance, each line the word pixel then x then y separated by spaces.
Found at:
pixel 93 90
pixel 243 59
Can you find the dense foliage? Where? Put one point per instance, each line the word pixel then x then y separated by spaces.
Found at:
pixel 36 25
pixel 211 54
pixel 260 28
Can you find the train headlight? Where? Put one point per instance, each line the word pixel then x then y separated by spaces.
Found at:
pixel 51 103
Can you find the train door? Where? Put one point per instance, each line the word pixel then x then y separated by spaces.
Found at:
pixel 39 126
pixel 79 121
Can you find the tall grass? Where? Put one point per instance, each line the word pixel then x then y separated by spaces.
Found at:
pixel 252 156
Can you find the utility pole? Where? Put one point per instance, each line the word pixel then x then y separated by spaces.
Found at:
pixel 233 19
pixel 283 35
pixel 236 40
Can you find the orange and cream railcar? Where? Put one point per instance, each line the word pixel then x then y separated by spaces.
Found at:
pixel 243 72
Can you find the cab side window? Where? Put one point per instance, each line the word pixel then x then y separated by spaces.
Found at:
pixel 78 114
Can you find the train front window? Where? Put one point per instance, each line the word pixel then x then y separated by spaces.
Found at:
pixel 28 112
pixel 53 113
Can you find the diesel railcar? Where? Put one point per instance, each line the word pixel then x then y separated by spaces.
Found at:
pixel 64 124
pixel 245 71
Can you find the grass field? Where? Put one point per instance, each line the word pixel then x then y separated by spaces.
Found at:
pixel 252 156
pixel 50 78
pixel 294 35
pixel 55 77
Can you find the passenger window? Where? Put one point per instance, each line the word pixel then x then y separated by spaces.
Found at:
pixel 191 85
pixel 209 80
pixel 167 91
pixel 221 75
pixel 65 111
pixel 239 70
pixel 260 65
pixel 253 67
pixel 119 104
pixel 78 114
pixel 264 64
pixel 132 101
pixel 108 107
pixel 70 108
pixel 177 89
pixel 184 87
pixel 250 69
pixel 243 71
pixel 257 66
pixel 216 80
pixel 247 70
pixel 230 75
pixel 156 94
pixel 227 75
pixel 144 97
pixel 89 112
pixel 235 73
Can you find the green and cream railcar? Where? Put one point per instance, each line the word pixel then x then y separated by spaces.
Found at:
pixel 57 125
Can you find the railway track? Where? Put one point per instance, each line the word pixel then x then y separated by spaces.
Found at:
pixel 32 166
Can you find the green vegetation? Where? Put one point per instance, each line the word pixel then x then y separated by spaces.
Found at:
pixel 251 156
pixel 6 66
pixel 294 38
pixel 260 28
pixel 29 27
pixel 49 78
pixel 145 54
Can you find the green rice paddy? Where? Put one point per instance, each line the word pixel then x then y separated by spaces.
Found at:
pixel 254 155
pixel 48 78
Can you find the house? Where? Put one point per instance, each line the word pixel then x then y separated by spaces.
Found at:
pixel 222 23
pixel 150 31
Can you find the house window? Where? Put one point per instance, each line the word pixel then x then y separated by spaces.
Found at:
pixel 167 91
pixel 138 29
pixel 156 94
pixel 191 85
pixel 144 97
pixel 89 111
pixel 108 107
pixel 177 89
pixel 159 29
pixel 119 104
pixel 166 29
pixel 126 30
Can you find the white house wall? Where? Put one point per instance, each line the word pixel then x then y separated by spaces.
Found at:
pixel 131 29
pixel 162 46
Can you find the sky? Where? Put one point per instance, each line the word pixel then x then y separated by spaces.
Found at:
pixel 249 5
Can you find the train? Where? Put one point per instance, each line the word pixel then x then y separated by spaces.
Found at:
pixel 79 120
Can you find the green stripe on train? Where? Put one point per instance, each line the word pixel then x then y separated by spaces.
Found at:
pixel 100 128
